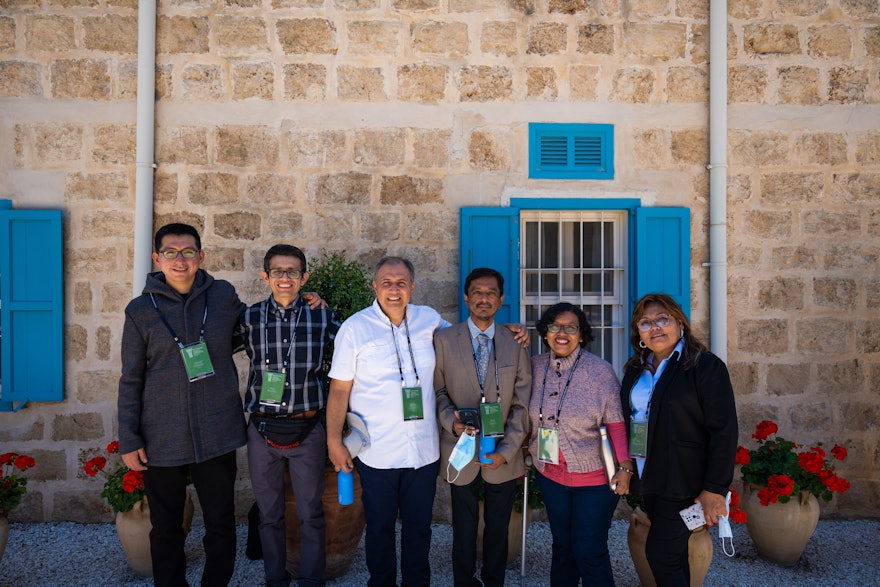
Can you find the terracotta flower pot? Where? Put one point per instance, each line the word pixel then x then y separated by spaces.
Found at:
pixel 133 528
pixel 699 550
pixel 4 534
pixel 780 531
pixel 345 525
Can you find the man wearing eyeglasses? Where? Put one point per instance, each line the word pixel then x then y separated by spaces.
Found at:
pixel 179 407
pixel 285 341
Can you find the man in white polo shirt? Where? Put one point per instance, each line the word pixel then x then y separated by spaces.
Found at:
pixel 383 369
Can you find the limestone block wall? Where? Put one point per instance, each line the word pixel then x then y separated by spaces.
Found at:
pixel 365 125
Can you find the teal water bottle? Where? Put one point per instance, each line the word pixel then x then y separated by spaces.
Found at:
pixel 487 445
pixel 345 487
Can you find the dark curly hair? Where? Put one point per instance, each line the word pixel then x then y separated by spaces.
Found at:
pixel 693 347
pixel 550 314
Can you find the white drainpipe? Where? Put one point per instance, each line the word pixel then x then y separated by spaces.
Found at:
pixel 718 177
pixel 144 154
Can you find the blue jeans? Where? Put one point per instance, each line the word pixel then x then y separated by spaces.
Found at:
pixel 387 494
pixel 579 521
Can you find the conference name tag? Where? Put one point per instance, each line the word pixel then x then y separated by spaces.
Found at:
pixel 272 391
pixel 638 439
pixel 197 361
pixel 490 417
pixel 412 403
pixel 548 445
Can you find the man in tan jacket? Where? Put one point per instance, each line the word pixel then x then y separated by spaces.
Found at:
pixel 481 367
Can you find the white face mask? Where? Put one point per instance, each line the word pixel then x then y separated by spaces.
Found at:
pixel 724 530
pixel 462 454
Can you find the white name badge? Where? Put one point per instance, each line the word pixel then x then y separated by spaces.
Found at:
pixel 548 445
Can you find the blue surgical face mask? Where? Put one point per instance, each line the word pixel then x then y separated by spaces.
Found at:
pixel 462 454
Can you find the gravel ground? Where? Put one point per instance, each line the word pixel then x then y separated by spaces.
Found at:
pixel 840 553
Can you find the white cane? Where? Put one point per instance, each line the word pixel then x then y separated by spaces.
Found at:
pixel 525 525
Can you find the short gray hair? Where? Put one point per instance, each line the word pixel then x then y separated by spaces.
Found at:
pixel 395 261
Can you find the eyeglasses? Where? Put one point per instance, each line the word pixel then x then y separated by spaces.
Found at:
pixel 172 254
pixel 660 322
pixel 567 328
pixel 279 273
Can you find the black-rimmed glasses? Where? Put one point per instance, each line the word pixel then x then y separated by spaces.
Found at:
pixel 279 273
pixel 172 254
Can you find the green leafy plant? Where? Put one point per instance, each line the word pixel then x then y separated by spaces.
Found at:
pixel 345 285
pixel 122 487
pixel 12 486
pixel 782 472
pixel 535 499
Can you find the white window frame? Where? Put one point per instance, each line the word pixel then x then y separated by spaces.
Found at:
pixel 613 348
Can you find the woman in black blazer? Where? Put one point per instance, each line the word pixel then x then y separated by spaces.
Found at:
pixel 678 401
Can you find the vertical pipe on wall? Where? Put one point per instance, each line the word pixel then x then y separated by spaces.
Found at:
pixel 718 177
pixel 144 154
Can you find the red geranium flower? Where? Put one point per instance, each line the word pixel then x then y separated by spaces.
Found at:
pixel 742 456
pixel 767 495
pixel 839 452
pixel 132 481
pixel 735 513
pixel 764 429
pixel 782 484
pixel 833 482
pixel 122 487
pixel 24 462
pixel 94 465
pixel 811 462
pixel 7 458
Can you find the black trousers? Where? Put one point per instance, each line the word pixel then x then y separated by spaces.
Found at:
pixel 667 546
pixel 497 505
pixel 214 481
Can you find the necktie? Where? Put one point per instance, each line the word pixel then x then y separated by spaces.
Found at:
pixel 482 357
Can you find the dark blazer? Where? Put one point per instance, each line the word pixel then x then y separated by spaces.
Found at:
pixel 692 429
pixel 456 386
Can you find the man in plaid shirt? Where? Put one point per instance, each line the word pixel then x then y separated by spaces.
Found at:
pixel 285 340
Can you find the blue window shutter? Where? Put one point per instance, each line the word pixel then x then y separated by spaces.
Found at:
pixel 571 151
pixel 663 254
pixel 490 238
pixel 31 307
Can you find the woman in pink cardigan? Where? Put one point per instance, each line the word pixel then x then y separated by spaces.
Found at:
pixel 574 392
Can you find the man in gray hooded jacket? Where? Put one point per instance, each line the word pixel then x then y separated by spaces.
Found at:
pixel 179 406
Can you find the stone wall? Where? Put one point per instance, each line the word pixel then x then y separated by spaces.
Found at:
pixel 364 125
